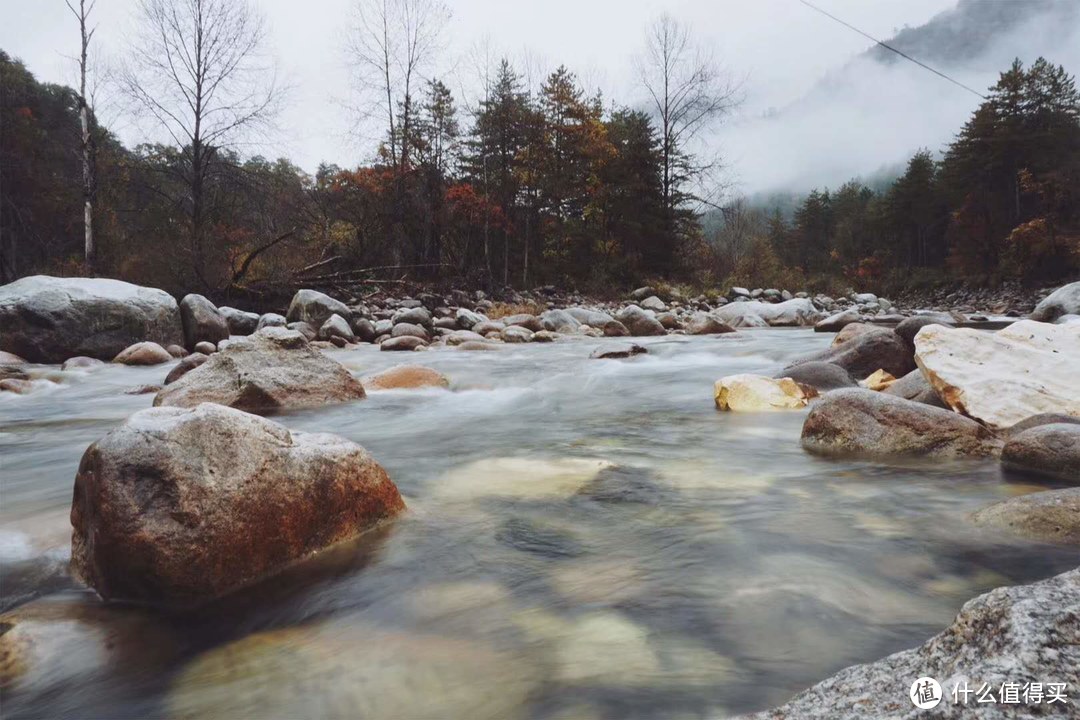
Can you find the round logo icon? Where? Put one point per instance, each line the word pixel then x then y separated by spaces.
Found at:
pixel 925 693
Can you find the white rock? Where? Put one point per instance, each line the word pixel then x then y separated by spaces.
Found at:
pixel 654 303
pixel 800 311
pixel 1002 378
pixel 1063 301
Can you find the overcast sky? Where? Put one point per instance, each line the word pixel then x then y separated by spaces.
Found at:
pixel 780 47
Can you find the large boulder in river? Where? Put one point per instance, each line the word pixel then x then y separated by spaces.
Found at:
pixel 202 321
pixel 639 322
pixel 873 349
pixel 797 311
pixel 703 323
pixel 273 370
pixel 1009 635
pixel 315 308
pixel 587 316
pixel 559 321
pixel 1051 450
pixel 863 422
pixel 1063 301
pixel 180 506
pixel 1002 378
pixel 1052 516
pixel 48 319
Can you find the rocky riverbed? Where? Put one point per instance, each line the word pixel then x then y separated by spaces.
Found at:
pixel 291 520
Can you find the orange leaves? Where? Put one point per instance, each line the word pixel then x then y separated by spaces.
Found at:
pixel 473 208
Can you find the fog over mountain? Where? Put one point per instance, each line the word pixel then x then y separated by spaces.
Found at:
pixel 869 115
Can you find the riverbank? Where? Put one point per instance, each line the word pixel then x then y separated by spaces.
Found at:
pixel 590 533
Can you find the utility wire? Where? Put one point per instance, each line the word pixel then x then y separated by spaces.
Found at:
pixel 898 52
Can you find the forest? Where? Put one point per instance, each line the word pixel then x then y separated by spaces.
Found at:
pixel 526 186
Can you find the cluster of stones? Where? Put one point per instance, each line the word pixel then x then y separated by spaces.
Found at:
pixel 937 390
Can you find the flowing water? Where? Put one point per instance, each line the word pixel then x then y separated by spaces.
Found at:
pixel 585 539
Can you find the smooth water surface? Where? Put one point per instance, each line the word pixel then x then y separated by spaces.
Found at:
pixel 585 539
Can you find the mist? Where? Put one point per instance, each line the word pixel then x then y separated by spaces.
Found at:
pixel 871 114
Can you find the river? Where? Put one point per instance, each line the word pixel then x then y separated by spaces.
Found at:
pixel 585 539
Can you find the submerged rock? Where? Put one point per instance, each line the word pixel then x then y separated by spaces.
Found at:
pixel 1002 378
pixel 275 369
pixel 1009 635
pixel 1051 450
pixel 617 352
pixel 82 363
pixel 180 506
pixel 522 478
pixel 405 377
pixel 750 393
pixel 353 670
pixel 864 422
pixel 1051 516
pixel 48 319
pixel 51 645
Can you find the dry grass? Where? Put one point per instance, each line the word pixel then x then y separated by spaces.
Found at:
pixel 501 310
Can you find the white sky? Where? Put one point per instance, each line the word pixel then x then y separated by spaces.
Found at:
pixel 781 47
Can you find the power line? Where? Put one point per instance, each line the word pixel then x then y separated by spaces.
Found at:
pixel 898 52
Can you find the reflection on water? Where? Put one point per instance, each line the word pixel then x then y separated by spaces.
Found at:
pixel 586 539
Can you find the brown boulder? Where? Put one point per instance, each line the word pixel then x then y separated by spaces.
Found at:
pixel 275 369
pixel 180 506
pixel 185 366
pixel 403 343
pixel 144 353
pixel 405 377
pixel 873 349
pixel 863 422
pixel 1051 450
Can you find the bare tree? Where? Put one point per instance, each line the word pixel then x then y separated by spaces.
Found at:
pixel 87 145
pixel 391 45
pixel 689 93
pixel 199 71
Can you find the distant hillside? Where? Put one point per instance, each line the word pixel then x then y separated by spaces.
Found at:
pixel 866 117
pixel 963 34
